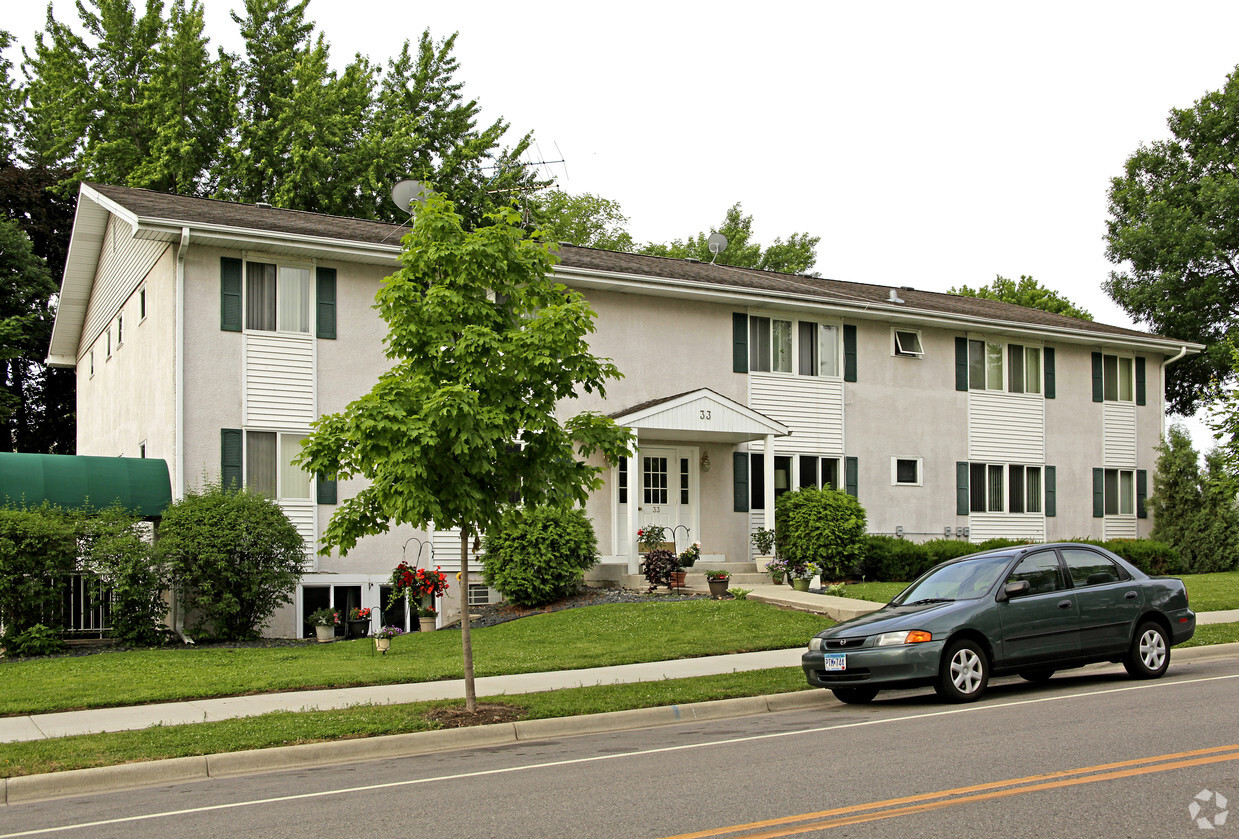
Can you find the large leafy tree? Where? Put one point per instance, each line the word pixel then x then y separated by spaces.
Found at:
pixel 189 100
pixel 486 349
pixel 1174 233
pixel 1027 292
pixel 587 220
pixel 10 103
pixel 1194 511
pixel 796 255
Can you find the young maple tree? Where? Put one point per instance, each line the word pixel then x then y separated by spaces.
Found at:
pixel 486 345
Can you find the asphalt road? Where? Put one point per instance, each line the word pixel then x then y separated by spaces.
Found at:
pixel 1089 754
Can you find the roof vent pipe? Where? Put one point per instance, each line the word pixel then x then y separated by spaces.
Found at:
pixel 262 205
pixel 894 298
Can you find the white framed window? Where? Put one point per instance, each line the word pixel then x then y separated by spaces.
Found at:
pixel 907 343
pixel 1005 487
pixel 906 471
pixel 1120 492
pixel 269 468
pixel 142 450
pixel 92 362
pixel 277 297
pixel 482 595
pixel 141 304
pixel 998 366
pixel 1023 488
pixel 796 471
pixel 1118 378
pixel 803 347
pixel 120 330
pixel 109 342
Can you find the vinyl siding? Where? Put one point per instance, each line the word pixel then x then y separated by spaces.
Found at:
pixel 811 407
pixel 982 526
pixel 1119 421
pixel 1006 428
pixel 279 381
pixel 123 263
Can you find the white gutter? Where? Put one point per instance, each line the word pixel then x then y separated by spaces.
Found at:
pixel 1165 364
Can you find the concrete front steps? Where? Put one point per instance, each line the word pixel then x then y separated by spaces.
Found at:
pixel 743 575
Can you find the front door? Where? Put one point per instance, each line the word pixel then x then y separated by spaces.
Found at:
pixel 667 492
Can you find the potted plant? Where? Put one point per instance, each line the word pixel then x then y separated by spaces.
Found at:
pixel 382 638
pixel 718 581
pixel 800 576
pixel 324 622
pixel 358 622
pixel 687 558
pixel 651 537
pixel 777 568
pixel 426 619
pixel 763 541
pixel 659 568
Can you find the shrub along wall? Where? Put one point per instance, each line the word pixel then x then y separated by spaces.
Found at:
pixel 891 559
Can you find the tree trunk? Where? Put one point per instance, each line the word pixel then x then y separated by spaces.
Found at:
pixel 466 642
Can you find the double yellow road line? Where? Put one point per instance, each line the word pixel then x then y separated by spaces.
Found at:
pixel 925 802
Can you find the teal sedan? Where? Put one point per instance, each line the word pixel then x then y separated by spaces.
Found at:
pixel 1030 610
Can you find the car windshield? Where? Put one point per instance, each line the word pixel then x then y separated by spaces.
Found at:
pixel 968 579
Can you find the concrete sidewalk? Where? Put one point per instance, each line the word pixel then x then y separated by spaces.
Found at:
pixel 129 718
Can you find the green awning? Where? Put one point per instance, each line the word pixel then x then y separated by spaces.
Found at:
pixel 139 485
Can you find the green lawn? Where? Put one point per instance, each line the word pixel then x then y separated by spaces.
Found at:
pixel 1205 592
pixel 592 636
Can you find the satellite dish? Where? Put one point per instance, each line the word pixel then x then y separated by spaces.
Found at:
pixel 408 191
pixel 717 243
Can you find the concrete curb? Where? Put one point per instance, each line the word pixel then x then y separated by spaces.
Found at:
pixel 29 788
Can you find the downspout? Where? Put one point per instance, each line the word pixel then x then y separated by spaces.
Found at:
pixel 1165 364
pixel 178 616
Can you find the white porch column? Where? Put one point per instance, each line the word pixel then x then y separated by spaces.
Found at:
pixel 628 538
pixel 768 470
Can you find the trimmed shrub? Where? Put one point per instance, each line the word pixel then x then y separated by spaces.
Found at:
pixel 891 559
pixel 1149 555
pixel 37 548
pixel 821 528
pixel 116 548
pixel 235 557
pixel 940 550
pixel 539 554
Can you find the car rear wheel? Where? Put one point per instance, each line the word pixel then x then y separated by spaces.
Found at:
pixel 1036 675
pixel 855 696
pixel 964 672
pixel 1149 655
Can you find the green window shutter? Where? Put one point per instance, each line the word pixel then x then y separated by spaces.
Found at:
pixel 1051 492
pixel 1140 383
pixel 325 310
pixel 1142 493
pixel 229 294
pixel 739 343
pixel 740 482
pixel 849 353
pixel 961 484
pixel 961 364
pixel 851 475
pixel 1047 364
pixel 1099 493
pixel 1097 377
pixel 230 458
pixel 326 489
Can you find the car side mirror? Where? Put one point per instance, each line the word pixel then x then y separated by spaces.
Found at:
pixel 1016 589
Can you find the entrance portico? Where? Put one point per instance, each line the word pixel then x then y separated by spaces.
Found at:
pixel 676 439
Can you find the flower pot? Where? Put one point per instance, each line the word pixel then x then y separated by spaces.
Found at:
pixel 776 577
pixel 426 624
pixel 678 579
pixel 359 628
pixel 800 584
pixel 325 634
pixel 718 587
pixel 382 644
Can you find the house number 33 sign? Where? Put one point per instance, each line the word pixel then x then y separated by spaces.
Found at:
pixel 704 414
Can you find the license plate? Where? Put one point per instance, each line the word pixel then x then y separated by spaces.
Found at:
pixel 835 661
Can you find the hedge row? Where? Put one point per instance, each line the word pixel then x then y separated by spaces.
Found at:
pixel 890 559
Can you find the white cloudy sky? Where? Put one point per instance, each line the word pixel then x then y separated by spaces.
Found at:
pixel 928 144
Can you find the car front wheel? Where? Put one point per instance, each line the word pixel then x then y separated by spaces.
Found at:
pixel 855 696
pixel 964 672
pixel 1149 655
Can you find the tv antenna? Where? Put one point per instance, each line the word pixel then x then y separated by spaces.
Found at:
pixel 408 191
pixel 717 243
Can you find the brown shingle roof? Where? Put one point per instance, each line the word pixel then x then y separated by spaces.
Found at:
pixel 153 206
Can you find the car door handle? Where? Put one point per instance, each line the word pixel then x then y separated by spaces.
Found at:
pixel 1064 604
pixel 1131 595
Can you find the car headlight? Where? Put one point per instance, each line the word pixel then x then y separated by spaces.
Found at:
pixel 817 644
pixel 916 636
